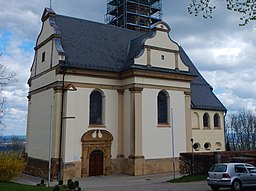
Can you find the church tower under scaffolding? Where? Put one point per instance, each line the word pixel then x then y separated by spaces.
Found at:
pixel 134 14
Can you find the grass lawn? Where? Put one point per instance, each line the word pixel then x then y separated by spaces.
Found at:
pixel 189 178
pixel 9 186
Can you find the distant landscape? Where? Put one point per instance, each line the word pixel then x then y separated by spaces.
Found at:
pixel 7 141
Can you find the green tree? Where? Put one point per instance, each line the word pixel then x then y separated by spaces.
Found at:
pixel 247 8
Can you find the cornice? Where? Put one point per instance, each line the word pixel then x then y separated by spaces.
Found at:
pixel 53 36
pixel 135 89
pixel 161 49
pixel 126 74
pixel 157 75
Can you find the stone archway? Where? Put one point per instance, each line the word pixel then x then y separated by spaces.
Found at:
pixel 93 141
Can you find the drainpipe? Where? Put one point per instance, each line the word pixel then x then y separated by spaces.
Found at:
pixel 61 124
pixel 225 132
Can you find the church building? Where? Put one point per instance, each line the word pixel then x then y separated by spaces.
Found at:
pixel 120 97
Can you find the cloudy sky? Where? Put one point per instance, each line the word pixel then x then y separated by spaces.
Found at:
pixel 221 50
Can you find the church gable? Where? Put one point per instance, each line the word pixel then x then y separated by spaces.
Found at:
pixel 48 49
pixel 160 51
pixel 48 26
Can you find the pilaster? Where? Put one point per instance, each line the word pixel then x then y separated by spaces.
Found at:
pixel 56 121
pixel 188 119
pixel 136 158
pixel 120 123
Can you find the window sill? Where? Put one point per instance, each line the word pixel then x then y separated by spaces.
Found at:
pixel 163 126
pixel 217 128
pixel 195 128
pixel 96 126
pixel 206 128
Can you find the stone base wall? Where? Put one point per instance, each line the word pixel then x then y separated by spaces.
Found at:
pixel 158 166
pixel 72 170
pixel 128 166
pixel 117 165
pixel 135 166
pixel 140 166
pixel 39 168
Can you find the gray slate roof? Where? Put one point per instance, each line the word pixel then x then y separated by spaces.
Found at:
pixel 202 96
pixel 92 45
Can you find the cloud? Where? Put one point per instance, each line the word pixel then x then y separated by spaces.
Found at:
pixel 222 51
pixel 17 58
pixel 15 120
pixel 225 55
pixel 232 101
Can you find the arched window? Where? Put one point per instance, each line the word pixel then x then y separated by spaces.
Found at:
pixel 216 120
pixel 206 120
pixel 195 121
pixel 96 108
pixel 162 107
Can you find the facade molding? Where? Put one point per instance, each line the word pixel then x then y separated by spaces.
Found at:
pixel 161 49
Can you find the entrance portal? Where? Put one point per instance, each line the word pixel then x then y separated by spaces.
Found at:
pixel 96 153
pixel 96 163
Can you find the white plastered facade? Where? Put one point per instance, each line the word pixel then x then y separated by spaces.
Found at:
pixel 155 141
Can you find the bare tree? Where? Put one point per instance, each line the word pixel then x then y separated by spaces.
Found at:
pixel 6 77
pixel 247 8
pixel 241 130
pixel 16 145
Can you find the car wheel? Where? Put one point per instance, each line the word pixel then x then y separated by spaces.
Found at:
pixel 215 188
pixel 236 185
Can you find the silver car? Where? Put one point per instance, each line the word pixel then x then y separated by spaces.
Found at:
pixel 237 176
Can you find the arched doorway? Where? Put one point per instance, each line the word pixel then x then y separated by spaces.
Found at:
pixel 96 153
pixel 96 163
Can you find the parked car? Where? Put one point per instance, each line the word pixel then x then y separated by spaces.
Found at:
pixel 237 176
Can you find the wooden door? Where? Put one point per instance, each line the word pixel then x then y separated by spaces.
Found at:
pixel 96 163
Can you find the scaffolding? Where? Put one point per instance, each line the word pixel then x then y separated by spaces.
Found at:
pixel 134 14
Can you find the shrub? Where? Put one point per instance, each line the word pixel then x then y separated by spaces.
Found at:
pixel 60 182
pixel 70 184
pixel 41 183
pixel 11 165
pixel 76 183
pixel 73 185
pixel 202 161
pixel 56 188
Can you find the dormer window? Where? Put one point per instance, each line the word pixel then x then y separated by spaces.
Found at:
pixel 162 57
pixel 43 56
